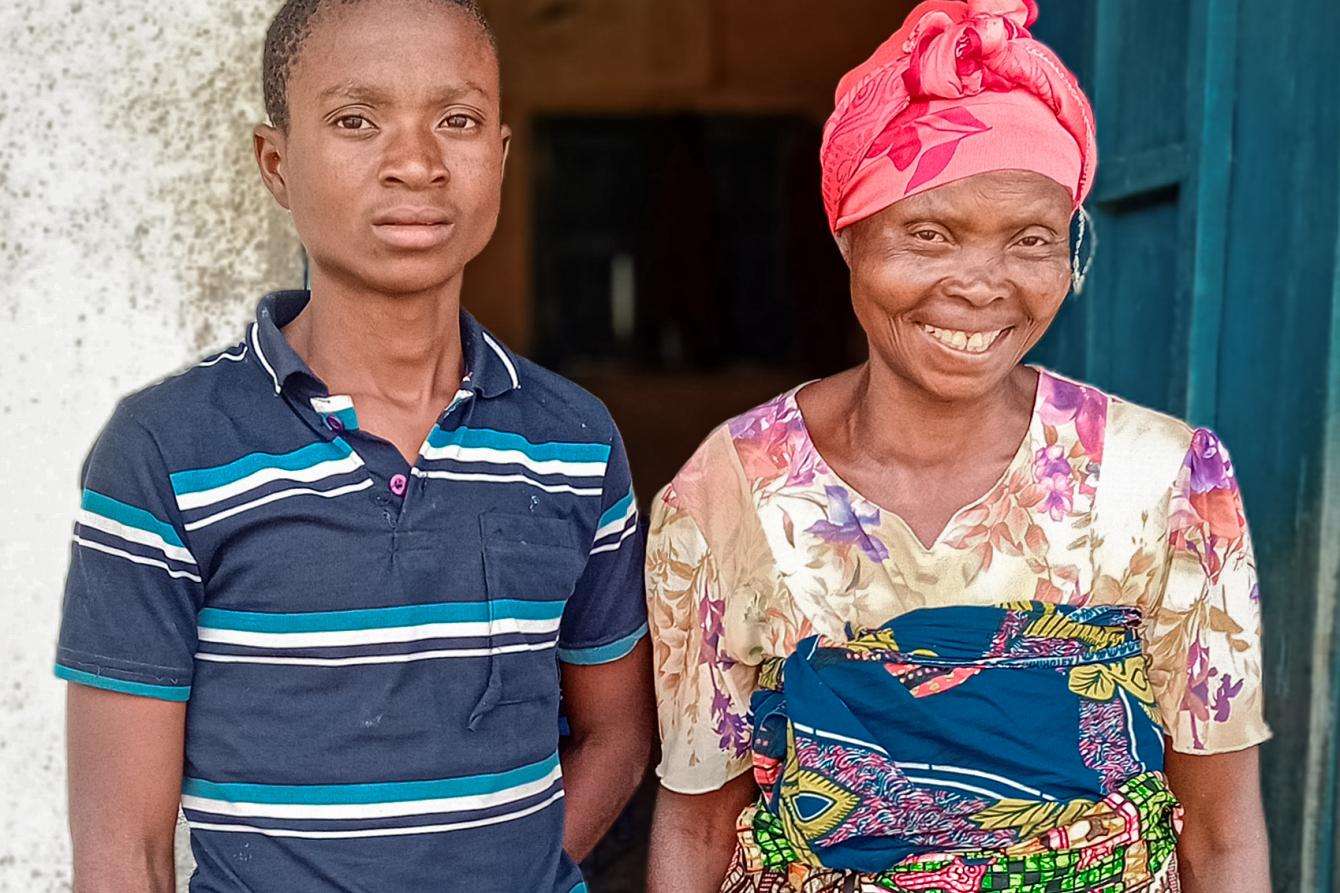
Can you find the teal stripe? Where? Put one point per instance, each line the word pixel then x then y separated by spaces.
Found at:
pixel 348 418
pixel 616 510
pixel 379 618
pixel 387 792
pixel 580 888
pixel 144 689
pixel 500 440
pixel 602 654
pixel 195 480
pixel 129 515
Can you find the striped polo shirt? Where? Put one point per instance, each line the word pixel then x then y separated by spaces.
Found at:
pixel 368 649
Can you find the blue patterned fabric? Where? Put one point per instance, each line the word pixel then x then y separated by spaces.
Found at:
pixel 975 730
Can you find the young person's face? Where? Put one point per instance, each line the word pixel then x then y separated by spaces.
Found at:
pixel 393 160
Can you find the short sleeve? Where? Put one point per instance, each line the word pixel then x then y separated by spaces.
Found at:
pixel 606 616
pixel 128 621
pixel 1204 644
pixel 702 694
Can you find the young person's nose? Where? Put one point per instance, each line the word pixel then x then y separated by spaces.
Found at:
pixel 414 159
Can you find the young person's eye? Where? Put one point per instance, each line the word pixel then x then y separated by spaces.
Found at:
pixel 459 122
pixel 352 122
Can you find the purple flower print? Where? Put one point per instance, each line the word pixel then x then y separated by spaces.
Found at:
pixel 1061 402
pixel 1228 689
pixel 732 728
pixel 711 618
pixel 771 440
pixel 1050 460
pixel 1211 469
pixel 845 528
pixel 1058 495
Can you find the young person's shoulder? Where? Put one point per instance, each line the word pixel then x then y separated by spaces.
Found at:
pixel 553 400
pixel 192 406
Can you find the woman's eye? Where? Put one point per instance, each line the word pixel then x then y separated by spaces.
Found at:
pixel 351 122
pixel 459 122
pixel 1032 241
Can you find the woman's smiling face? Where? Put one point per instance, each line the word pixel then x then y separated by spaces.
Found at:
pixel 953 286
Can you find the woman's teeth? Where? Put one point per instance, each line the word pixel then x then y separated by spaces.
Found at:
pixel 969 342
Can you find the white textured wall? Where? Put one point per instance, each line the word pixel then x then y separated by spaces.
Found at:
pixel 134 234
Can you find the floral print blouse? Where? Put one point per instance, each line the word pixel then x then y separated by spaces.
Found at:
pixel 757 544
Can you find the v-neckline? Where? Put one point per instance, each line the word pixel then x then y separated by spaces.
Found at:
pixel 826 470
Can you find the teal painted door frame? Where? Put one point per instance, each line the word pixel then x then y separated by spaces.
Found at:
pixel 1215 296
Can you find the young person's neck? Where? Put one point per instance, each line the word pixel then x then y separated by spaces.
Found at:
pixel 405 347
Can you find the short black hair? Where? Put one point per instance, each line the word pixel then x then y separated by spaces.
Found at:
pixel 290 29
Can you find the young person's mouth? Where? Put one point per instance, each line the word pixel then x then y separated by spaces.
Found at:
pixel 413 227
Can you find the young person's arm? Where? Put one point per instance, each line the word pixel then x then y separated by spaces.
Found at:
pixel 610 713
pixel 126 646
pixel 1223 847
pixel 693 837
pixel 606 667
pixel 124 756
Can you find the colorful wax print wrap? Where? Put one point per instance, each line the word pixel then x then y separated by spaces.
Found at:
pixel 964 749
pixel 961 89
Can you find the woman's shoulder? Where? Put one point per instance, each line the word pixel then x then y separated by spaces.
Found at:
pixel 761 444
pixel 1125 425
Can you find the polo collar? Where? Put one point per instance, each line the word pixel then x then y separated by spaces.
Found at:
pixel 491 369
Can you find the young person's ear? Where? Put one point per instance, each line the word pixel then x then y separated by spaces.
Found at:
pixel 507 147
pixel 269 144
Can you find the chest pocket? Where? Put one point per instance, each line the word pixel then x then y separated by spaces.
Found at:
pixel 531 566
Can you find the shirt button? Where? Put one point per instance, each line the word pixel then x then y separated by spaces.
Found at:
pixel 398 484
pixel 334 424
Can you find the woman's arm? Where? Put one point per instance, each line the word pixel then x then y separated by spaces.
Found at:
pixel 693 837
pixel 1223 847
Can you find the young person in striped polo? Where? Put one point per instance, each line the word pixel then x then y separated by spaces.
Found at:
pixel 327 586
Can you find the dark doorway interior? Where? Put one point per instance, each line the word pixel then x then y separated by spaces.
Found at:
pixel 683 271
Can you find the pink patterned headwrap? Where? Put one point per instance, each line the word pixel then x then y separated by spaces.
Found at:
pixel 961 89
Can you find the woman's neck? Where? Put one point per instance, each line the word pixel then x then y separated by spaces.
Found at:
pixel 886 405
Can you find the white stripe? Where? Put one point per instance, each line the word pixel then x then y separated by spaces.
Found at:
pixel 369 811
pixel 493 456
pixel 617 524
pixel 134 535
pixel 337 638
pixel 502 355
pixel 370 658
pixel 1130 723
pixel 504 479
pixel 282 494
pixel 230 357
pixel 959 770
pixel 380 832
pixel 942 783
pixel 614 546
pixel 820 733
pixel 260 354
pixel 334 403
pixel 262 476
pixel 138 559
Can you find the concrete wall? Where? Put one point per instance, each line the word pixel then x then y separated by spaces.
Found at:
pixel 134 235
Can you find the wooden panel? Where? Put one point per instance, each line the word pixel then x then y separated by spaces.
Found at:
pixel 1275 342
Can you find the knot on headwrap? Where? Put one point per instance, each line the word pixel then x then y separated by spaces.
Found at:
pixel 962 88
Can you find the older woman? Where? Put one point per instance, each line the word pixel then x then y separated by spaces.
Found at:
pixel 974 626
